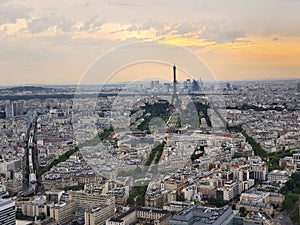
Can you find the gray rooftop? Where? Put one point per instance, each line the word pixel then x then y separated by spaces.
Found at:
pixel 4 202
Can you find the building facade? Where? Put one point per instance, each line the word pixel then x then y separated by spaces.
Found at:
pixel 99 215
pixel 7 212
pixel 63 212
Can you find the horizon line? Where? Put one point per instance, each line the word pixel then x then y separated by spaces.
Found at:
pixel 124 82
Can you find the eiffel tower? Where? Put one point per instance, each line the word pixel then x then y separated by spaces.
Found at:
pixel 174 108
pixel 175 100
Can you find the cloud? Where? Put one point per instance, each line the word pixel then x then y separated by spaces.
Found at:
pixel 152 25
pixel 133 28
pixel 13 29
pixel 11 13
pixel 4 1
pixel 39 25
pixel 217 31
pixel 174 33
pixel 43 24
pixel 91 24
pixel 186 28
pixel 187 42
pixel 66 25
pixel 221 33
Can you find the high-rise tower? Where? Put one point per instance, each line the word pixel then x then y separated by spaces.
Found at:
pixel 175 99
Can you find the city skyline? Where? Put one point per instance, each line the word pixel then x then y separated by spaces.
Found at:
pixel 54 43
pixel 122 112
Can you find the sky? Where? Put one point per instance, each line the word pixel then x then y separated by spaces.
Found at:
pixel 59 42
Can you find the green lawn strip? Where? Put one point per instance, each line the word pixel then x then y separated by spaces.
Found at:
pixel 159 109
pixel 155 154
pixel 137 195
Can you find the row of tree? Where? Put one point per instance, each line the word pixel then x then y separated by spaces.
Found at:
pixel 156 154
pixel 60 159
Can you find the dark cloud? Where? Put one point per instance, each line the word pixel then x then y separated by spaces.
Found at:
pixel 187 28
pixel 66 25
pixel 91 24
pixel 10 13
pixel 152 24
pixel 170 30
pixel 221 33
pixel 44 23
pixel 133 28
pixel 41 24
pixel 216 31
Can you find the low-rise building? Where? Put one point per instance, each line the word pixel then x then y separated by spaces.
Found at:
pixel 279 175
pixel 198 214
pixel 84 201
pixel 63 212
pixel 142 215
pixel 255 206
pixel 99 215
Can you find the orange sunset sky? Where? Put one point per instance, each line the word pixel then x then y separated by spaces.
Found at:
pixel 54 42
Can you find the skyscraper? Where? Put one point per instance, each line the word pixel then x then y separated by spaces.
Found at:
pixel 195 85
pixel 228 86
pixel 7 212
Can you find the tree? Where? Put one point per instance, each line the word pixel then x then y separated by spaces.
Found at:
pixel 243 211
pixel 42 216
pixel 290 184
pixel 180 198
pixel 290 200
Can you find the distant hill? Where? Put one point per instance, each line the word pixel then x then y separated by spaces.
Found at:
pixel 27 88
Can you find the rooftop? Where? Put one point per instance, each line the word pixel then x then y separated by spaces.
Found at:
pixel 4 202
